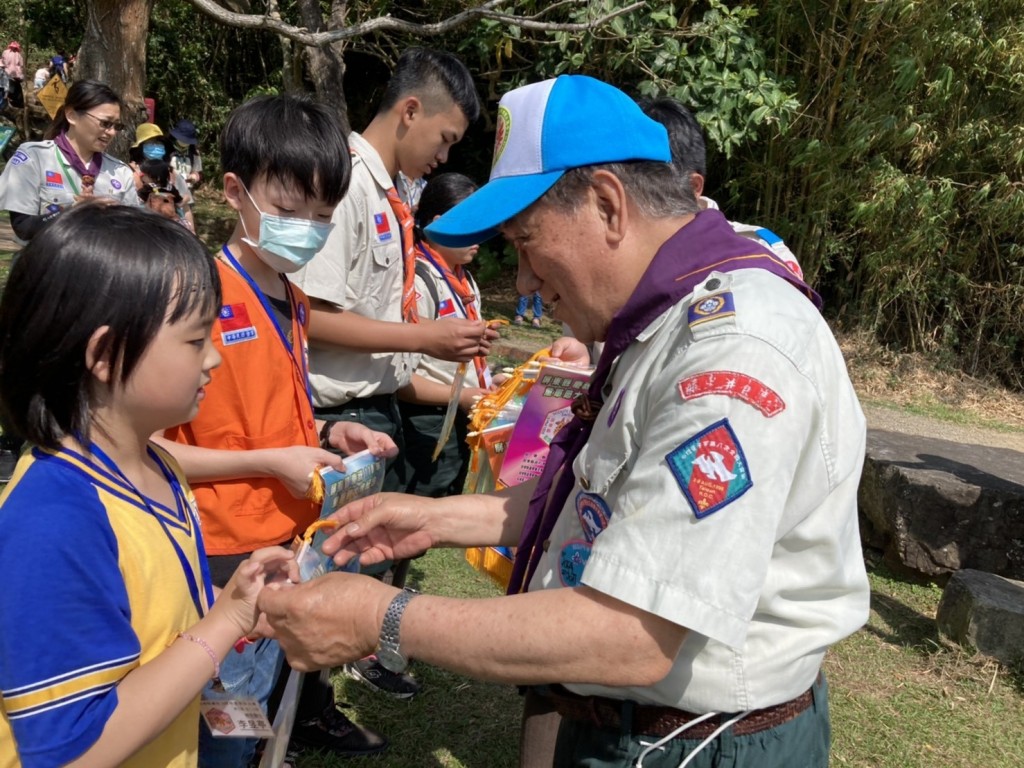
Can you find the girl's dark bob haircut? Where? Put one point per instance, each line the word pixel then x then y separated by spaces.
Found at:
pixel 95 265
pixel 442 193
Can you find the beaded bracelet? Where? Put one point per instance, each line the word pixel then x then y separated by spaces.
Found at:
pixel 206 647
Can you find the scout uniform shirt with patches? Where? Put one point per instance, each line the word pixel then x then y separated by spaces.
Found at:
pixel 38 180
pixel 99 591
pixel 359 269
pixel 448 305
pixel 718 490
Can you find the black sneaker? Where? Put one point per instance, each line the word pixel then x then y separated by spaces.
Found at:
pixel 334 732
pixel 372 673
pixel 8 461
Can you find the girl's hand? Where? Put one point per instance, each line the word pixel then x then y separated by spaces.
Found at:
pixel 352 437
pixel 237 600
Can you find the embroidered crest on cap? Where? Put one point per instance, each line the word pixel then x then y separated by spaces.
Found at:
pixel 711 469
pixel 571 562
pixel 733 384
pixel 711 308
pixel 501 132
pixel 593 513
pixel 235 325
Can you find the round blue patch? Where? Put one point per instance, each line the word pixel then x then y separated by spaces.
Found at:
pixel 115 183
pixel 573 559
pixel 302 314
pixel 593 513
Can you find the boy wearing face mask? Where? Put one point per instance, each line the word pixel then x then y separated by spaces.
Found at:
pixel 251 451
pixel 151 144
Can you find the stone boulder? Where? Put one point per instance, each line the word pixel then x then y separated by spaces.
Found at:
pixel 935 506
pixel 986 612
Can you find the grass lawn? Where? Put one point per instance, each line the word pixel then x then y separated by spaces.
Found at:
pixel 901 697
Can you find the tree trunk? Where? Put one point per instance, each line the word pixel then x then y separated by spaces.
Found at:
pixel 114 52
pixel 326 64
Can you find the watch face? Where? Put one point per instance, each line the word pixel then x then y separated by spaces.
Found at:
pixel 392 660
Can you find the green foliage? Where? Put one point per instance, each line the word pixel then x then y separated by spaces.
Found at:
pixel 703 53
pixel 900 184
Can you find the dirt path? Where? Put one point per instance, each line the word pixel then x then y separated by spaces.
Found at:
pixel 892 419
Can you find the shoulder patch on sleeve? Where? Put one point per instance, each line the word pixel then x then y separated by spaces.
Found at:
pixel 19 158
pixel 711 469
pixel 708 308
pixel 736 385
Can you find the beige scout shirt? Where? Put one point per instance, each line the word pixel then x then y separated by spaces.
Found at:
pixel 360 270
pixel 751 419
pixel 431 368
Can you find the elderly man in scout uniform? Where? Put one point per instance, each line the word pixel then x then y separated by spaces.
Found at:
pixel 718 449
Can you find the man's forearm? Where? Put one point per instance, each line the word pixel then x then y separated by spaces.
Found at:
pixel 350 330
pixel 537 638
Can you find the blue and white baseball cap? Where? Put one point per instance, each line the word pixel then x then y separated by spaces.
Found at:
pixel 544 130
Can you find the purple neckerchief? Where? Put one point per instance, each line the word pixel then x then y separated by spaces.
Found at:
pixel 75 161
pixel 707 244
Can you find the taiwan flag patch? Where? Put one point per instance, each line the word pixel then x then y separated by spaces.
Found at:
pixel 711 469
pixel 235 325
pixel 54 180
pixel 383 227
pixel 446 308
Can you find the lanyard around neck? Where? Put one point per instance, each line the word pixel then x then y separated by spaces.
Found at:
pixel 441 271
pixel 186 513
pixel 268 310
pixel 67 171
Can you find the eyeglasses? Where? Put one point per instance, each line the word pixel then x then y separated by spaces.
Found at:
pixel 106 125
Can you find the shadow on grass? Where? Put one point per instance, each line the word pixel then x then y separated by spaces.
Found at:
pixel 454 722
pixel 905 626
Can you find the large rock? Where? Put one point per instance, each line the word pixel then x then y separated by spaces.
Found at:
pixel 986 612
pixel 934 506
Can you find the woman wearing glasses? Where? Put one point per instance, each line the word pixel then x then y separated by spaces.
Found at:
pixel 45 178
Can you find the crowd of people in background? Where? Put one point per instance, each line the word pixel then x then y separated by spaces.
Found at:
pixel 190 397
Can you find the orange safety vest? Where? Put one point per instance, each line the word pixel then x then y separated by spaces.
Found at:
pixel 257 398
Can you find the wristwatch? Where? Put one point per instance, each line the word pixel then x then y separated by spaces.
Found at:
pixel 389 652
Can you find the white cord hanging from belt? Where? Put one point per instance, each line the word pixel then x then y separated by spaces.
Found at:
pixel 714 735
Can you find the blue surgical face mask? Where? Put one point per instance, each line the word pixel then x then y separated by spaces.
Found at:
pixel 154 151
pixel 286 244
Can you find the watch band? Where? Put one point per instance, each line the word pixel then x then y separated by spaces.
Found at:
pixel 389 652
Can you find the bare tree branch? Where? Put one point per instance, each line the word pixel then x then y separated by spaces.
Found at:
pixel 487 10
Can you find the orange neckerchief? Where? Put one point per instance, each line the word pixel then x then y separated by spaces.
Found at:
pixel 404 216
pixel 459 284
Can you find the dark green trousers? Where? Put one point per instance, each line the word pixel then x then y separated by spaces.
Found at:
pixel 803 742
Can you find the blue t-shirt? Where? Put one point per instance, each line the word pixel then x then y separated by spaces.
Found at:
pixel 93 589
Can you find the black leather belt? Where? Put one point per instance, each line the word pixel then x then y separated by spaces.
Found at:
pixel 661 721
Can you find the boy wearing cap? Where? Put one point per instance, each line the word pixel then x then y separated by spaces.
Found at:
pixel 692 547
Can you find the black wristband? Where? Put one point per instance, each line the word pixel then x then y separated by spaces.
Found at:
pixel 325 435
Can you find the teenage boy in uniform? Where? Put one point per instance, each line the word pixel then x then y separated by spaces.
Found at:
pixel 251 451
pixel 366 335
